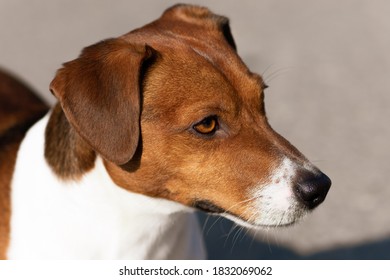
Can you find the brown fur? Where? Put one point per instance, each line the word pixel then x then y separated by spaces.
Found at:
pixel 99 93
pixel 175 72
pixel 65 151
pixel 19 109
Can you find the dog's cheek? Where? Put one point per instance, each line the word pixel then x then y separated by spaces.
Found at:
pixel 226 176
pixel 200 176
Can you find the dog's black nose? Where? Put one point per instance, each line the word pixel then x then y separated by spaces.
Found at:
pixel 311 188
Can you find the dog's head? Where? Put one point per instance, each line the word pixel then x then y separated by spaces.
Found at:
pixel 176 114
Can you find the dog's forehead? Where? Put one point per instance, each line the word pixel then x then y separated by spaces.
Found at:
pixel 193 34
pixel 197 71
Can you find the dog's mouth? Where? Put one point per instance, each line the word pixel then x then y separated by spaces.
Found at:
pixel 279 219
pixel 208 207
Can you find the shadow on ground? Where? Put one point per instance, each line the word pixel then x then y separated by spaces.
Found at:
pixel 224 242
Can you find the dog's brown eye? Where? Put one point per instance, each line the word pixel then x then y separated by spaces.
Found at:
pixel 207 126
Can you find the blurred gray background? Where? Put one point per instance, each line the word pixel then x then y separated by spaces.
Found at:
pixel 328 67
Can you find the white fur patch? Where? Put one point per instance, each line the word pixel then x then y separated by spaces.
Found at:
pixel 92 218
pixel 274 203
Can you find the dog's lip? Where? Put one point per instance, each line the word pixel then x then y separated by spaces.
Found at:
pixel 211 208
pixel 256 226
pixel 208 206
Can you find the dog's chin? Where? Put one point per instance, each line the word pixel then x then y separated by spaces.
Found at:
pixel 272 219
pixel 265 212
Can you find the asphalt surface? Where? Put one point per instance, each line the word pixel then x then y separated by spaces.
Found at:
pixel 328 67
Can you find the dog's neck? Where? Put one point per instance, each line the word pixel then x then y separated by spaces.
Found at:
pixel 89 217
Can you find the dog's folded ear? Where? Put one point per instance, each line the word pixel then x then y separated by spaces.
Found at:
pixel 200 16
pixel 100 95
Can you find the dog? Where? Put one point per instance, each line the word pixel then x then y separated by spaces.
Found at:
pixel 148 127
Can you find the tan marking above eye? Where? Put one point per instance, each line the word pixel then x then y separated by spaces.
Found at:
pixel 207 126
